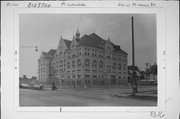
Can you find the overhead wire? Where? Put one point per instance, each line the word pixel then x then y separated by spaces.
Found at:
pixel 102 28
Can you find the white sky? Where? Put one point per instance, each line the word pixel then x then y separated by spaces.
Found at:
pixel 45 30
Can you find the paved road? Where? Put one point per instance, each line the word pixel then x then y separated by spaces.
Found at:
pixel 85 97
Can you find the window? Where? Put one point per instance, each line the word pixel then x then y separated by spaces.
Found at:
pixel 114 65
pixel 74 55
pixel 73 64
pixel 79 76
pixel 79 70
pixel 94 71
pixel 73 71
pixel 119 67
pixel 68 65
pixel 108 57
pixel 79 62
pixel 60 53
pixel 94 76
pixel 124 67
pixel 94 63
pixel 87 70
pixel 101 64
pixel 108 68
pixel 86 76
pixel 87 63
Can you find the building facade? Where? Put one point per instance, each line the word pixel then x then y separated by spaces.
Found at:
pixel 85 61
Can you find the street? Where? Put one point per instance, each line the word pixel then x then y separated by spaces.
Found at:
pixel 110 96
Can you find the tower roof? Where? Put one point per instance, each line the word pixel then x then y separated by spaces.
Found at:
pixel 77 32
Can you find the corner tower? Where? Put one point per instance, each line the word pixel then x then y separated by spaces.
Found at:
pixel 77 34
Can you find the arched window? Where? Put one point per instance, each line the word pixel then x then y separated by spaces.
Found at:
pixel 87 62
pixel 94 63
pixel 101 64
pixel 73 64
pixel 79 62
pixel 114 65
pixel 68 65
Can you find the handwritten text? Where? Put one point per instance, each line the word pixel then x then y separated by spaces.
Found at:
pixel 39 5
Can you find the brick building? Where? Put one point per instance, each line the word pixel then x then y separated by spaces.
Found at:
pixel 85 61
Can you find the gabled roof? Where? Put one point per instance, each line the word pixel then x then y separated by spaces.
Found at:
pixel 49 54
pixel 67 42
pixel 45 54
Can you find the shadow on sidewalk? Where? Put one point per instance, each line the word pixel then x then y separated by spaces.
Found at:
pixel 138 97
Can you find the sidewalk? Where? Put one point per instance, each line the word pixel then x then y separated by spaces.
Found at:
pixel 142 94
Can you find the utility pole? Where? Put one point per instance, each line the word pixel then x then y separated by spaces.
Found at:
pixel 133 83
pixel 132 19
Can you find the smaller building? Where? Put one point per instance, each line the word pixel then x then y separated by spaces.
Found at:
pixel 28 81
pixel 150 73
pixel 143 78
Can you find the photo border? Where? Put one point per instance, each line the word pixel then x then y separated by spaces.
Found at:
pixel 160 41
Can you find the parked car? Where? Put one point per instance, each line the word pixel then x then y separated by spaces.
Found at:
pixel 38 87
pixel 23 85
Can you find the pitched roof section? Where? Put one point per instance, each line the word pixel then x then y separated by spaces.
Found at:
pixel 93 40
pixel 49 54
pixel 67 42
pixel 45 54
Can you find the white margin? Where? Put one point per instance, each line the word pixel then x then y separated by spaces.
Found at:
pixel 167 30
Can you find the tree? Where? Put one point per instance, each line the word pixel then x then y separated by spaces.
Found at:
pixel 147 71
pixel 154 69
pixel 133 78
